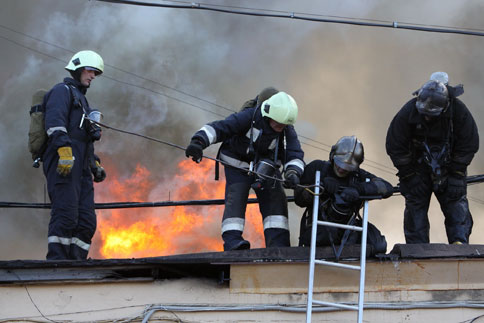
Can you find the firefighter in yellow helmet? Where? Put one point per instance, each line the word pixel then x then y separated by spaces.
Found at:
pixel 344 182
pixel 69 163
pixel 262 135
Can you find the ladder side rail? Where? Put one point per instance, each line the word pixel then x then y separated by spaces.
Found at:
pixel 364 236
pixel 312 256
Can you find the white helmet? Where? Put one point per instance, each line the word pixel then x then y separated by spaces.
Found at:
pixel 88 59
pixel 280 107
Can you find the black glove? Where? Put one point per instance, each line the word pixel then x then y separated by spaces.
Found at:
pixel 195 150
pixel 350 195
pixel 456 186
pixel 414 185
pixel 291 178
pixel 98 172
pixel 331 185
pixel 302 197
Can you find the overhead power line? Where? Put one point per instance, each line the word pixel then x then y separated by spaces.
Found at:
pixel 380 166
pixel 303 16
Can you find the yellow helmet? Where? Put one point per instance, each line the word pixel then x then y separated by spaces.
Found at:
pixel 280 107
pixel 87 59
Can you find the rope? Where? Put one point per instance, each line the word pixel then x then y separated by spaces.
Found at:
pixel 474 179
pixel 183 148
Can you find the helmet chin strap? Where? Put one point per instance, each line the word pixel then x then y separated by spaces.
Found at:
pixel 76 75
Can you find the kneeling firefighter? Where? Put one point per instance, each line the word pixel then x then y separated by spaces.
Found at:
pixel 261 137
pixel 344 182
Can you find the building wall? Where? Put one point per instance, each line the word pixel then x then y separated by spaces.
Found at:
pixel 260 293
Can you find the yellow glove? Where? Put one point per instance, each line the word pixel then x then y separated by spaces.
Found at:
pixel 66 161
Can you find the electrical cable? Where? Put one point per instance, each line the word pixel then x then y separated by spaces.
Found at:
pixel 470 180
pixel 302 307
pixel 150 309
pixel 126 205
pixel 250 171
pixel 292 15
pixel 318 15
pixel 188 103
pixel 390 171
pixel 228 109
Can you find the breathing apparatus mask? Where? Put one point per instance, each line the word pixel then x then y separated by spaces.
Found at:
pixel 263 169
pixel 432 99
pixel 93 128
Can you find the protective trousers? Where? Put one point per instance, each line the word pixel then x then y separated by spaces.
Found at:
pixel 374 236
pixel 272 205
pixel 458 219
pixel 73 220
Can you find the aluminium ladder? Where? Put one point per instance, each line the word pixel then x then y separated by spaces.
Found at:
pixel 313 261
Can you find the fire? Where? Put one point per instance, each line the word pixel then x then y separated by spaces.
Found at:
pixel 160 231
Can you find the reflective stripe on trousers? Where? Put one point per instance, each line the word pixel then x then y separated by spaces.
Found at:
pixel 68 241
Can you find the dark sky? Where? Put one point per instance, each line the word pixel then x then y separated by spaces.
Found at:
pixel 170 71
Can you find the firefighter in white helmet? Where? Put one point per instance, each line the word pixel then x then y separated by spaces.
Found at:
pixel 261 135
pixel 69 162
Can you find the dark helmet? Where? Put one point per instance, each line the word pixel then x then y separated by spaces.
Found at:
pixel 347 153
pixel 432 98
pixel 266 94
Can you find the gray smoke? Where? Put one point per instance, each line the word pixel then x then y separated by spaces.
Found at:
pixel 346 80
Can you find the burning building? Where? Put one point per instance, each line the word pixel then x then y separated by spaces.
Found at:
pixel 167 73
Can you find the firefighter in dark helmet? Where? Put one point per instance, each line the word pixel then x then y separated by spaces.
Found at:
pixel 344 182
pixel 261 135
pixel 431 141
pixel 69 162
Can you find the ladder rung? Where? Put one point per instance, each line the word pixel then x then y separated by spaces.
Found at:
pixel 336 264
pixel 341 226
pixel 348 307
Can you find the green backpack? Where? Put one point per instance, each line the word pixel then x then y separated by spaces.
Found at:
pixel 37 133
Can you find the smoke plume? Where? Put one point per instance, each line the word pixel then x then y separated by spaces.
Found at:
pixel 165 66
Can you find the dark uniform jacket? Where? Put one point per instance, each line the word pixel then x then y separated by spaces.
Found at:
pixel 375 187
pixel 64 113
pixel 236 132
pixel 409 130
pixel 335 208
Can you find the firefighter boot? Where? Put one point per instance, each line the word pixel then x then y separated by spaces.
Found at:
pixel 233 241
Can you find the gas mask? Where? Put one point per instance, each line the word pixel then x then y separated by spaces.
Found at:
pixel 263 169
pixel 93 128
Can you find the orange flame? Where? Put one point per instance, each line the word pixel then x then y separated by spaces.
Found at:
pixel 160 231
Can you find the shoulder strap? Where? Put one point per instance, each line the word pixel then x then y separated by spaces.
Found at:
pixel 76 100
pixel 251 143
pixel 251 138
